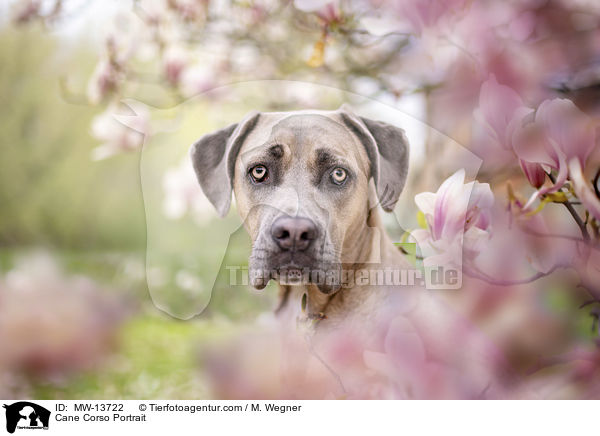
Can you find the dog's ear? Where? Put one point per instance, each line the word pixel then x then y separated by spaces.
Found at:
pixel 388 151
pixel 213 157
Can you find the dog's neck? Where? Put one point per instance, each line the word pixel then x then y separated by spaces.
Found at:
pixel 371 248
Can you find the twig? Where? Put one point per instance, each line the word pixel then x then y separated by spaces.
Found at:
pixel 588 302
pixel 335 375
pixel 573 213
pixel 558 236
pixel 591 291
pixel 403 250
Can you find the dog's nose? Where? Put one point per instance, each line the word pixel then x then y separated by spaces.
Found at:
pixel 293 233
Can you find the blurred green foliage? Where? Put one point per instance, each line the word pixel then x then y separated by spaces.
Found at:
pixel 51 192
pixel 157 361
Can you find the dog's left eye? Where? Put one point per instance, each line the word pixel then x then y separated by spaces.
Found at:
pixel 259 173
pixel 339 176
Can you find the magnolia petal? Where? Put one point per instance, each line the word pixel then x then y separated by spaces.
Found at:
pixel 425 201
pixel 421 237
pixel 451 256
pixel 530 144
pixel 380 363
pixel 583 190
pixel 497 107
pixel 531 199
pixel 312 5
pixel 422 14
pixel 481 196
pixel 474 241
pixel 403 343
pixel 563 173
pixel 534 172
pixel 482 199
pixel 570 130
pixel 450 206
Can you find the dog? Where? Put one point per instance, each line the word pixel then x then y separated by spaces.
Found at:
pixel 308 186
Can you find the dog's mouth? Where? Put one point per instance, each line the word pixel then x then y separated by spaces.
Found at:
pixel 327 281
pixel 292 275
pixel 296 269
pixel 290 259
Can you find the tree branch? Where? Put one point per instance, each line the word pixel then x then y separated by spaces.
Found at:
pixel 573 212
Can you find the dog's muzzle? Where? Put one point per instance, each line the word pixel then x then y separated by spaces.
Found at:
pixel 296 255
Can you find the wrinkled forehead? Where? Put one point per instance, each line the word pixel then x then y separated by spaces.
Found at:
pixel 304 132
pixel 302 135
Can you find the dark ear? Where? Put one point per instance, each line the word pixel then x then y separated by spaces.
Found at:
pixel 213 157
pixel 388 151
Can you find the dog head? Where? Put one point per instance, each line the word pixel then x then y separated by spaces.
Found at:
pixel 301 182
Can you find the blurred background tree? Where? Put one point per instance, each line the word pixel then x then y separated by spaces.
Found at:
pixel 52 192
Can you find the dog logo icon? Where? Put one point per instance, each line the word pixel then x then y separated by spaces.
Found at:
pixel 26 415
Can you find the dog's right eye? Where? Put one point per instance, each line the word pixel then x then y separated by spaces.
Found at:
pixel 259 173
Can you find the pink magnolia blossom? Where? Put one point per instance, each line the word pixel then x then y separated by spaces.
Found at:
pixel 120 132
pixel 26 11
pixel 327 10
pixel 175 61
pixel 534 173
pixel 560 137
pixel 53 324
pixel 499 107
pixel 501 111
pixel 418 359
pixel 426 13
pixel 568 133
pixel 312 5
pixel 104 81
pixel 188 10
pixel 197 79
pixel 456 214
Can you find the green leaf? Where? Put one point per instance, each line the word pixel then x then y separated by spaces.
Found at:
pixel 409 249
